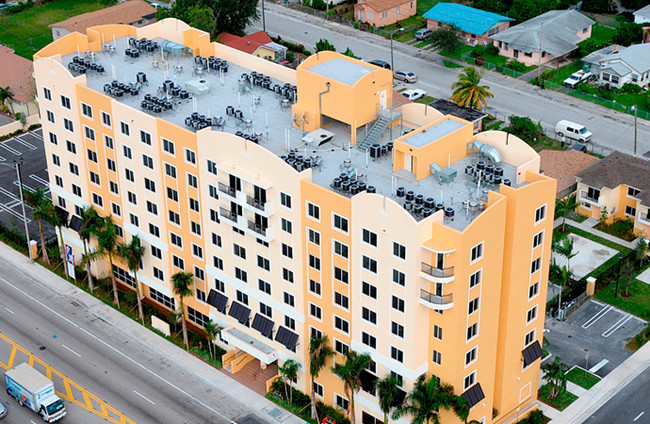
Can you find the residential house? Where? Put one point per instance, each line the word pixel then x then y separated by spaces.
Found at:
pixel 380 13
pixel 564 165
pixel 258 44
pixel 137 13
pixel 642 15
pixel 16 73
pixel 553 34
pixel 591 62
pixel 477 25
pixel 627 65
pixel 620 184
pixel 447 107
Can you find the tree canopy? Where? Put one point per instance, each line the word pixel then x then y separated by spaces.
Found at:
pixel 446 39
pixel 214 16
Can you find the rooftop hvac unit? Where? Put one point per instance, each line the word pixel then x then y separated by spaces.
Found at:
pixel 488 151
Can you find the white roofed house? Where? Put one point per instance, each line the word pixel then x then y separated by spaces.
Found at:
pixel 628 65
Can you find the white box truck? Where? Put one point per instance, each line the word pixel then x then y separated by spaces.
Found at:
pixel 32 389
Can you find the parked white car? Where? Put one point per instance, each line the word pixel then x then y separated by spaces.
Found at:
pixel 576 78
pixel 414 94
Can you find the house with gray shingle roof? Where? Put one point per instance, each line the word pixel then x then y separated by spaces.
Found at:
pixel 642 15
pixel 626 65
pixel 619 183
pixel 553 34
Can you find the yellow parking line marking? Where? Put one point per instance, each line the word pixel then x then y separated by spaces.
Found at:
pixel 88 397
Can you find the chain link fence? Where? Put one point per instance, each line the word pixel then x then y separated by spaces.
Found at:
pixel 467 57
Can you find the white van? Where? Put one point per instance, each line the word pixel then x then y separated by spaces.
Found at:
pixel 572 130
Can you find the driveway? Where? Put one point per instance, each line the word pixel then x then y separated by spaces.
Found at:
pixel 593 337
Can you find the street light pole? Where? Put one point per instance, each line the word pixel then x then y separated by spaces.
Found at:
pixel 17 164
pixel 263 17
pixel 392 66
pixel 636 109
pixel 618 274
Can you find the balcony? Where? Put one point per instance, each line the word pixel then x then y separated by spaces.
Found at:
pixel 437 275
pixel 584 197
pixel 436 302
pixel 256 203
pixel 644 218
pixel 225 213
pixel 230 191
pixel 264 233
pixel 264 208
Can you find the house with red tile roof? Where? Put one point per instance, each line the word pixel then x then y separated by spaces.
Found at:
pixel 258 44
pixel 16 72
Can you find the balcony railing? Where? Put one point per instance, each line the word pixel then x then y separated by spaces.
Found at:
pixel 585 197
pixel 257 228
pixel 256 203
pixel 437 272
pixel 228 214
pixel 227 189
pixel 444 300
pixel 645 217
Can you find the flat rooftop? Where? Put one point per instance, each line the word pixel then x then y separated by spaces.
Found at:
pixel 268 114
pixel 341 70
pixel 434 132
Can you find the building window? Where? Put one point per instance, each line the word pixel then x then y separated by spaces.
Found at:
pixel 368 340
pixel 472 331
pixel 241 275
pixel 368 315
pixel 150 185
pixel 475 279
pixel 200 295
pixel 263 263
pixel 535 265
pixel 127 152
pixel 629 210
pixel 437 332
pixel 315 311
pixel 174 217
pixel 398 304
pixel 341 347
pixel 287 250
pixel 106 119
pixel 469 381
pixel 533 291
pixel 197 317
pixel 477 252
pixel 531 315
pixel 396 354
pixel 437 357
pixel 197 251
pixel 68 125
pixel 313 211
pixel 369 264
pixel 166 301
pixel 217 262
pixel 172 194
pixel 286 225
pixel 314 237
pixel 242 297
pixel 176 240
pixel 530 337
pixel 397 329
pixel 87 110
pixel 264 286
pixel 110 164
pixel 266 310
pixel 340 249
pixel 158 273
pixel 369 237
pixel 132 198
pixel 287 275
pixel 192 181
pixel 170 170
pixel 124 128
pixel 154 230
pixel 55 160
pixel 341 275
pixel 74 169
pixel 92 156
pixel 47 93
pixel 632 192
pixel 399 278
pixel 473 306
pixel 115 208
pixel 285 200
pixel 194 205
pixel 341 324
pixel 58 181
pixel 190 156
pixel 314 287
pixel 212 167
pixel 76 190
pixel 147 161
pixel 145 137
pixel 341 223
pixel 53 139
pixel 318 389
pixel 314 262
pixel 341 300
pixel 470 356
pixel 65 102
pixel 369 290
pixel 155 252
pixel 94 178
pixel 537 239
pixel 540 214
pixel 97 199
pixel 399 250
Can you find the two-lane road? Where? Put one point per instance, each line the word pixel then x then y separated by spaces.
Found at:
pixel 629 406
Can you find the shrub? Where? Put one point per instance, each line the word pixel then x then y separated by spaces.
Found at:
pixel 547 74
pixel 33 127
pixel 491 50
pixel 477 51
pixel 524 128
pixel 535 417
pixel 517 66
pixel 290 56
pixel 306 3
pixel 630 88
pixel 356 25
pixel 319 4
pixel 333 413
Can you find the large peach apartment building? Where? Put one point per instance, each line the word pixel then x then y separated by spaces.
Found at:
pixel 305 205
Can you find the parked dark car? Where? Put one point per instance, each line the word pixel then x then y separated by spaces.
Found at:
pixel 380 63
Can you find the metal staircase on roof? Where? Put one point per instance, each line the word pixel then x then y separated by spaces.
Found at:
pixel 384 118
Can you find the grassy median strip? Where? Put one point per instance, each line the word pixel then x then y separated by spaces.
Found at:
pixel 561 402
pixel 582 378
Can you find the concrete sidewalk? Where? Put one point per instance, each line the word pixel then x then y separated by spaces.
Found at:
pixel 589 402
pixel 587 227
pixel 262 407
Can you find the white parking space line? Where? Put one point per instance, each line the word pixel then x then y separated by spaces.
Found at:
pixel 27 144
pixel 144 397
pixel 70 350
pixel 10 149
pixel 616 326
pixel 639 416
pixel 598 315
pixel 39 179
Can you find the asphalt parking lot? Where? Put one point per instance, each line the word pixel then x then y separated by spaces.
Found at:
pixel 596 330
pixel 29 147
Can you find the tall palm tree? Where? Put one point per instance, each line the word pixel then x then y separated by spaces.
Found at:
pixel 182 283
pixel 5 95
pixel 564 247
pixel 107 246
pixel 212 330
pixel 37 199
pixel 57 222
pixel 288 372
pixel 565 278
pixel 350 372
pixel 468 92
pixel 387 391
pixel 90 223
pixel 425 401
pixel 565 205
pixel 319 351
pixel 133 253
pixel 555 373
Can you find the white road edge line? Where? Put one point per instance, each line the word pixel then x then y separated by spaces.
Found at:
pixel 114 349
pixel 9 310
pixel 145 398
pixel 639 416
pixel 72 351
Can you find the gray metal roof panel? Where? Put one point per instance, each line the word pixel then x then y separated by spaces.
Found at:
pixel 341 70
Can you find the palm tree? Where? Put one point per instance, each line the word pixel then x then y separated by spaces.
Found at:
pixel 37 199
pixel 319 351
pixel 57 222
pixel 565 205
pixel 288 372
pixel 426 399
pixel 107 246
pixel 555 373
pixel 5 95
pixel 565 278
pixel 461 408
pixel 641 250
pixel 132 253
pixel 387 391
pixel 564 247
pixel 90 222
pixel 212 330
pixel 468 92
pixel 350 373
pixel 182 283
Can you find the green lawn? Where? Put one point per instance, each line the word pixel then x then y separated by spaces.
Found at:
pixel 624 250
pixel 602 34
pixel 561 402
pixel 547 143
pixel 582 378
pixel 638 303
pixel 563 73
pixel 425 5
pixel 449 64
pixel 28 31
pixel 425 100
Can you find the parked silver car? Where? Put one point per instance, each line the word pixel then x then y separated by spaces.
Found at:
pixel 406 76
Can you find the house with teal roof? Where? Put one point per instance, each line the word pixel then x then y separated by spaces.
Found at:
pixel 477 26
